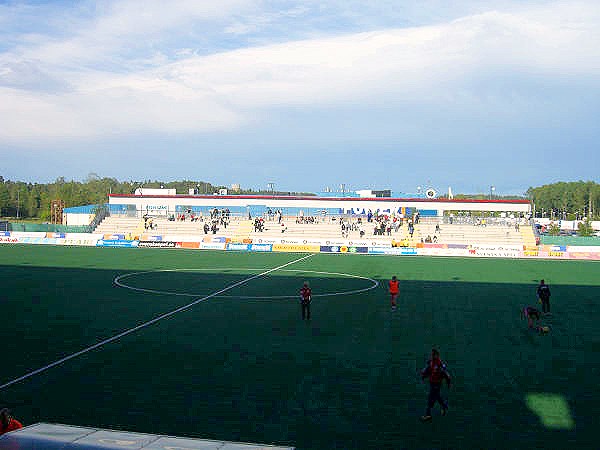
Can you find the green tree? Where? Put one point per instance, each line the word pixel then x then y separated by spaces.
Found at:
pixel 553 229
pixel 584 228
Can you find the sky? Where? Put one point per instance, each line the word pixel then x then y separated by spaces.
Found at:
pixel 307 95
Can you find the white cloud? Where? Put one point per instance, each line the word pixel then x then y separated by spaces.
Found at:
pixel 429 64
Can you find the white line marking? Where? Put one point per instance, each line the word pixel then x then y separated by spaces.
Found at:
pixel 118 282
pixel 148 323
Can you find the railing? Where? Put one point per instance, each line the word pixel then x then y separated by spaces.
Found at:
pixel 101 212
pixel 48 228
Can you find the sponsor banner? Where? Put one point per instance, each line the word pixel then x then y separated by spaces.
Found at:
pixel 585 255
pixel 553 248
pixel 190 245
pixel 9 240
pixel 116 243
pixel 362 243
pixel 156 210
pixel 56 235
pixel 377 250
pixel 89 242
pixel 496 253
pixel 146 237
pixel 261 247
pixel 296 248
pixel 494 248
pixel 266 241
pixel 333 242
pixel 28 234
pixel 290 241
pixel 214 239
pixel 443 251
pixel 463 246
pixel 238 247
pixel 343 249
pixel 4 233
pixel 428 245
pixel 392 251
pixel 116 237
pixel 179 237
pixel 84 236
pixel 379 244
pixel 583 249
pixel 212 246
pixel 157 244
pixel 38 240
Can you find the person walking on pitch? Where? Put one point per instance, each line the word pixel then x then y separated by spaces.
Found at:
pixel 305 299
pixel 394 290
pixel 436 372
pixel 543 294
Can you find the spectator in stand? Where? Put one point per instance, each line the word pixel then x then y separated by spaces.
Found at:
pixel 7 422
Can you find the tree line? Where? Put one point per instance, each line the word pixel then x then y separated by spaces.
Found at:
pixel 566 200
pixel 26 200
pixel 19 199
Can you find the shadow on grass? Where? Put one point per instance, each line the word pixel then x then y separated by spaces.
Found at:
pixel 252 370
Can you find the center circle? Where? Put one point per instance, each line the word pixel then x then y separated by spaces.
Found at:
pixel 118 281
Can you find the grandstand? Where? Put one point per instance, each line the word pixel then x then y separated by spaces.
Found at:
pixel 323 229
pixel 178 230
pixel 487 232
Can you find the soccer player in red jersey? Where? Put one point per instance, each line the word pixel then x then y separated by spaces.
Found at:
pixel 305 299
pixel 436 371
pixel 394 289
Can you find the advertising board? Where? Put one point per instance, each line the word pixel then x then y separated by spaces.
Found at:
pixel 296 248
pixel 398 251
pixel 432 251
pixel 238 247
pixel 114 236
pixel 343 249
pixel 212 246
pixel 189 245
pixel 496 251
pixel 157 244
pixel 116 243
pixel 261 247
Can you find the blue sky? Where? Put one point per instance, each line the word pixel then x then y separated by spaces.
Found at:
pixel 304 94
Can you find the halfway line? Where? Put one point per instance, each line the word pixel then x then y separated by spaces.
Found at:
pixel 148 323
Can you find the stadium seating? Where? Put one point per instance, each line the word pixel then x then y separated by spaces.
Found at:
pixel 463 233
pixel 171 230
pixel 240 229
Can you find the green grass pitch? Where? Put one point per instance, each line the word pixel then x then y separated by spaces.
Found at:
pixel 244 366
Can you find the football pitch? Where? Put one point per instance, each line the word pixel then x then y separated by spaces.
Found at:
pixel 235 361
